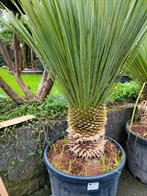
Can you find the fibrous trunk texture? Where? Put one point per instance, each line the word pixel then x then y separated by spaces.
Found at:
pixel 142 108
pixel 86 131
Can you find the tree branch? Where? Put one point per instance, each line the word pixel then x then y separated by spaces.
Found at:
pixel 18 64
pixel 43 79
pixel 46 89
pixel 6 55
pixel 8 90
pixel 45 86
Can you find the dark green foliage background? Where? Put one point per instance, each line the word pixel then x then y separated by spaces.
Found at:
pixel 56 106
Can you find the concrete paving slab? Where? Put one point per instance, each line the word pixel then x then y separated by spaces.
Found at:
pixel 130 186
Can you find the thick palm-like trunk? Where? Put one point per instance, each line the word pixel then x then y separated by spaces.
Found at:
pixel 86 131
pixel 142 108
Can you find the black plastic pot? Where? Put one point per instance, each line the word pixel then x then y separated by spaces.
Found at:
pixel 63 184
pixel 137 155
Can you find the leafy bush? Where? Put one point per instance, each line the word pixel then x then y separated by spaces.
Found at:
pixel 53 107
pixel 127 91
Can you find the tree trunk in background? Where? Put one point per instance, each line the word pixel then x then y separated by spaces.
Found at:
pixel 46 82
pixel 8 90
pixel 46 89
pixel 17 71
pixel 32 60
pixel 30 97
pixel 45 86
pixel 43 79
pixel 6 56
pixel 24 55
pixel 17 54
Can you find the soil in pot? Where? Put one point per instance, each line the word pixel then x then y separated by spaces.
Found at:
pixel 64 160
pixel 139 129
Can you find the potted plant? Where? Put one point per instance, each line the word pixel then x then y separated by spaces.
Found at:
pixel 136 68
pixel 84 43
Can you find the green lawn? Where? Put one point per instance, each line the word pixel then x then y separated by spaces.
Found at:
pixel 31 80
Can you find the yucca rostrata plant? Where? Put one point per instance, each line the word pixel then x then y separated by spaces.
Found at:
pixel 136 68
pixel 84 43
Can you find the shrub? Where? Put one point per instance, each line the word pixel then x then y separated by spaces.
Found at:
pixel 53 107
pixel 127 91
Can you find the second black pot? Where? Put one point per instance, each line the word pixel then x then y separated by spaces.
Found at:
pixel 137 155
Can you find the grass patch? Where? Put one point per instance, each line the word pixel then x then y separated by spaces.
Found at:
pixel 123 92
pixel 31 80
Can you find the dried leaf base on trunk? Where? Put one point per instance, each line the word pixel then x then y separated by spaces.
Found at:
pixel 140 127
pixel 143 112
pixel 66 161
pixel 142 108
pixel 86 131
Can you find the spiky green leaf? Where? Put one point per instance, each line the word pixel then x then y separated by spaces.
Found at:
pixel 84 43
pixel 136 63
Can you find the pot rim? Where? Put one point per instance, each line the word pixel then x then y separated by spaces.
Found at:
pixel 85 178
pixel 138 137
